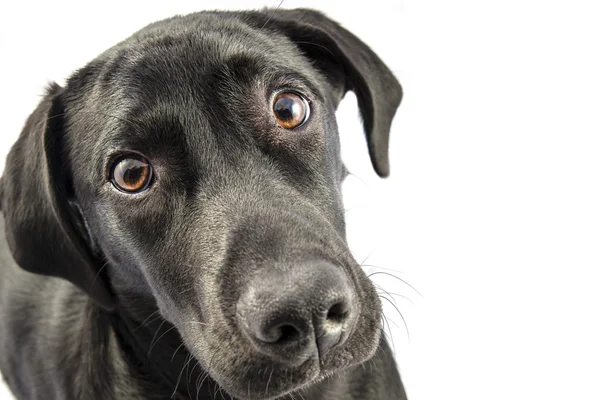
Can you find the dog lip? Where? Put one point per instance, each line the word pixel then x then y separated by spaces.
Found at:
pixel 315 377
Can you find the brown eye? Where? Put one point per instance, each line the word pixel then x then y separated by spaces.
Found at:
pixel 290 110
pixel 131 174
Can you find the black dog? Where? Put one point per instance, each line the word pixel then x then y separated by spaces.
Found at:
pixel 186 187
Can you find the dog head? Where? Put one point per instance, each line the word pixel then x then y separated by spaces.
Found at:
pixel 196 166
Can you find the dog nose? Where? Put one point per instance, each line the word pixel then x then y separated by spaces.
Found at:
pixel 292 314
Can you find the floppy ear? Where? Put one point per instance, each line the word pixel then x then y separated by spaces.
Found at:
pixel 39 224
pixel 353 65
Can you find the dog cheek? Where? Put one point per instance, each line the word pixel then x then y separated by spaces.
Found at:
pixel 372 314
pixel 364 340
pixel 216 350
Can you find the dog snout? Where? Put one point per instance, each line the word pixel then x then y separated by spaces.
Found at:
pixel 293 314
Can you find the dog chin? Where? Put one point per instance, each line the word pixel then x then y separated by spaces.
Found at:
pixel 268 382
pixel 271 381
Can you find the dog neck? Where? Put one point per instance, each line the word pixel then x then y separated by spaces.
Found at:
pixel 159 360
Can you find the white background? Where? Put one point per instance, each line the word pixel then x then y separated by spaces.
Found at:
pixel 492 210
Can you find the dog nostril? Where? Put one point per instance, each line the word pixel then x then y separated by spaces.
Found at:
pixel 334 326
pixel 337 313
pixel 281 334
pixel 289 333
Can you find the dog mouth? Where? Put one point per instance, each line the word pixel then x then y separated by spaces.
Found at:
pixel 252 376
pixel 277 349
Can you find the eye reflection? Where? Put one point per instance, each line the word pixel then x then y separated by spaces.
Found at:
pixel 290 110
pixel 131 174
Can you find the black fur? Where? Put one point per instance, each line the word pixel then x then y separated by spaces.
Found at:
pixel 147 306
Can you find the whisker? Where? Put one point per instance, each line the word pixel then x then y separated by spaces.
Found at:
pixel 400 279
pixel 271 15
pixel 147 319
pixel 389 337
pixel 98 273
pixel 318 45
pixel 210 362
pixel 399 313
pixel 398 295
pixel 203 379
pixel 367 257
pixel 269 381
pixel 378 267
pixel 199 385
pixel 160 337
pixel 189 375
pixel 393 322
pixel 378 287
pixel 176 350
pixel 156 333
pixel 189 358
pixel 353 174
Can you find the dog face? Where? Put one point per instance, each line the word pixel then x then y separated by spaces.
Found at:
pixel 199 163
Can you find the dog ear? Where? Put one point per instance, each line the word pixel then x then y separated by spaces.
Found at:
pixel 38 221
pixel 353 65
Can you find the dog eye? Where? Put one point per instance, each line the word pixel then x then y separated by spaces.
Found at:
pixel 131 173
pixel 290 110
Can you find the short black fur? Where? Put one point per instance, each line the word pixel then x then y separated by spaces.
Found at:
pixel 155 295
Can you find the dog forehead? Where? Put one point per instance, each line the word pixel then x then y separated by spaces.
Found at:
pixel 173 57
pixel 184 50
pixel 178 66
